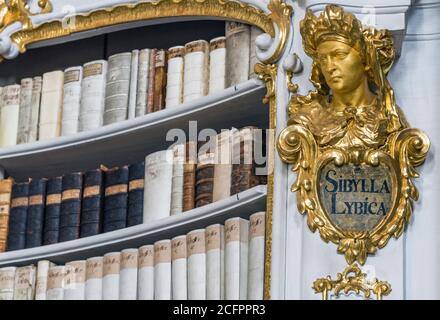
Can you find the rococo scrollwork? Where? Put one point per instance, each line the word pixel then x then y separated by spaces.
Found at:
pixel 18 11
pixel 349 143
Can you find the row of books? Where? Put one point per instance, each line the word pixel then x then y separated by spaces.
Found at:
pixel 46 211
pixel 215 263
pixel 128 85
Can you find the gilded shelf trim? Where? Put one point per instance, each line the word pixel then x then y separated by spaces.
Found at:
pixel 18 11
pixel 146 11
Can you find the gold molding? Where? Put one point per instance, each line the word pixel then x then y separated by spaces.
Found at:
pixel 18 11
pixel 351 280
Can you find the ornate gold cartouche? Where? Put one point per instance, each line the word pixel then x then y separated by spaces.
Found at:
pixel 348 141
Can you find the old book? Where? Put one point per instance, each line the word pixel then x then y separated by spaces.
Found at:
pixel 236 258
pixel 178 268
pixel 174 93
pixel 136 175
pixel 115 202
pixel 223 166
pixel 133 84
pixel 24 118
pixel 189 175
pixel 74 282
pixel 255 289
pixel 160 80
pixel 55 283
pixel 110 280
pixel 92 203
pixel 5 207
pixel 158 176
pixel 35 215
pixel 94 274
pixel 118 88
pixel 151 81
pixel 128 276
pixel 177 181
pixel 43 267
pixel 217 64
pixel 54 188
pixel 72 100
pixel 204 177
pixel 7 280
pixel 71 206
pixel 238 37
pixel 9 114
pixel 146 273
pixel 18 216
pixel 196 68
pixel 142 82
pixel 93 92
pixel 25 279
pixel 162 270
pixel 35 108
pixel 253 60
pixel 196 248
pixel 215 262
pixel 51 105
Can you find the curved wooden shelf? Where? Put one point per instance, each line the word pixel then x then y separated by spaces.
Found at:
pixel 131 140
pixel 240 205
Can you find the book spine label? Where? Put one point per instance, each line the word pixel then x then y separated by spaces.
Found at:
pixel 110 280
pixel 42 277
pixel 217 64
pixel 71 206
pixel 128 274
pixel 35 108
pixel 24 119
pixel 9 114
pixel 196 265
pixel 133 84
pixel 142 82
pixel 255 282
pixel 179 269
pixel 196 70
pixel 93 90
pixel 160 80
pixel 18 216
pixel 51 105
pixel 215 262
pixel 7 279
pixel 72 100
pixel 238 37
pixel 174 95
pixel 74 288
pixel 5 205
pixel 162 270
pixel 94 274
pixel 35 216
pixel 115 203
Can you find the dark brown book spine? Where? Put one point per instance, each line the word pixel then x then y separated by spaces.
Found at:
pixel 204 177
pixel 151 76
pixel 189 176
pixel 160 80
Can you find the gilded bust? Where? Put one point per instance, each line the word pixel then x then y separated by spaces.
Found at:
pixel 353 105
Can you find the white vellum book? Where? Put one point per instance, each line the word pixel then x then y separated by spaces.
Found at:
pixel 158 176
pixel 35 108
pixel 74 283
pixel 72 100
pixel 94 274
pixel 196 69
pixel 215 270
pixel 146 273
pixel 24 287
pixel 142 82
pixel 7 279
pixel 51 105
pixel 217 64
pixel 174 94
pixel 196 248
pixel 43 267
pixel 24 118
pixel 110 279
pixel 238 37
pixel 177 181
pixel 9 113
pixel 92 95
pixel 133 84
pixel 179 270
pixel 223 167
pixel 256 256
pixel 236 258
pixel 162 270
pixel 55 283
pixel 128 277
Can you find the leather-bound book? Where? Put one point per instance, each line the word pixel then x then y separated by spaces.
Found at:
pixel 35 216
pixel 238 38
pixel 189 176
pixel 136 174
pixel 115 203
pixel 151 81
pixel 71 206
pixel 160 80
pixel 54 188
pixel 5 207
pixel 18 216
pixel 204 177
pixel 92 203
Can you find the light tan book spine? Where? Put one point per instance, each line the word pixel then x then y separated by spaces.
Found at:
pixel 160 80
pixel 196 69
pixel 162 270
pixel 177 182
pixel 146 273
pixel 9 115
pixel 223 166
pixel 128 277
pixel 51 105
pixel 133 84
pixel 237 52
pixel 25 278
pixel 5 206
pixel 151 81
pixel 255 288
pixel 24 118
pixel 217 64
pixel 43 267
pixel 72 100
pixel 179 268
pixel 174 96
pixel 215 262
pixel 142 82
pixel 35 108
pixel 94 274
pixel 196 247
pixel 7 280
pixel 55 283
pixel 74 288
pixel 110 281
